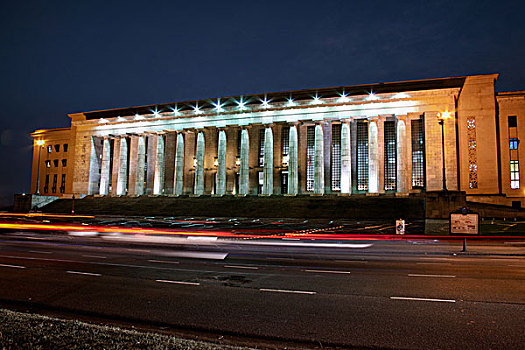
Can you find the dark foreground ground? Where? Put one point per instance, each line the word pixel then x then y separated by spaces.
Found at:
pixel 28 331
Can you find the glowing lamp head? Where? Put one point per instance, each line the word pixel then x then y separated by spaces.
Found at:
pixel 40 142
pixel 196 109
pixel 316 100
pixel 216 162
pixel 241 103
pixel 265 103
pixel 444 116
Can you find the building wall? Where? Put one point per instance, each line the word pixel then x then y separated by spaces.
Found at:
pixel 477 103
pixel 512 104
pixel 473 103
pixel 53 158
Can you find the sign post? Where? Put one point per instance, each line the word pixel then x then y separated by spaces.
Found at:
pixel 400 227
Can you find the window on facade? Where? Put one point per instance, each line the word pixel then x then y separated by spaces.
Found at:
pixel 418 154
pixel 513 143
pixel 310 156
pixel 513 121
pixel 261 146
pixel 48 164
pixel 49 149
pixel 514 174
pixel 46 184
pixel 63 183
pixel 284 182
pixel 335 166
pixel 65 147
pixel 239 137
pixel 362 156
pixel 57 148
pixel 390 155
pixel 64 162
pixel 285 144
pixel 55 163
pixel 54 188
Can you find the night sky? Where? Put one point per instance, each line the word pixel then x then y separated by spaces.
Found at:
pixel 59 57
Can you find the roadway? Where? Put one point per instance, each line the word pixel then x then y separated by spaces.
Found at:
pixel 418 294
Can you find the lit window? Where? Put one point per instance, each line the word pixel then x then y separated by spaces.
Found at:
pixel 514 174
pixel 48 164
pixel 513 143
pixel 49 149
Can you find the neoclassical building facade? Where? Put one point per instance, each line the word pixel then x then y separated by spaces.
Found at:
pixel 379 139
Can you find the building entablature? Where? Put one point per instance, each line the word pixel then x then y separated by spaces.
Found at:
pixel 420 102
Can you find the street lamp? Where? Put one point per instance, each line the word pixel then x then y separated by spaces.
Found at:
pixel 441 118
pixel 40 144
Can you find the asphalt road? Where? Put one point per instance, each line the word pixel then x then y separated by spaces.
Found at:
pixel 370 294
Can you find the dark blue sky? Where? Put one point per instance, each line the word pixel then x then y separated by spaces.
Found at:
pixel 59 57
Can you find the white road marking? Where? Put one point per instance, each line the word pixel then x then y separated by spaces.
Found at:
pixel 327 271
pixel 418 275
pixel 199 255
pixel 39 252
pixel 424 299
pixel 84 273
pixel 139 250
pixel 13 266
pixel 179 282
pixel 287 291
pixel 433 263
pixel 201 238
pixel 163 261
pixel 241 267
pixel 94 256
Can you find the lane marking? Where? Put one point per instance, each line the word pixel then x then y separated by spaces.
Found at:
pixel 138 250
pixel 95 256
pixel 287 291
pixel 84 273
pixel 241 267
pixel 179 282
pixel 424 299
pixel 13 266
pixel 39 252
pixel 163 261
pixel 433 263
pixel 327 271
pixel 420 275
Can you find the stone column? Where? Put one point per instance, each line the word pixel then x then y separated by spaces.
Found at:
pixel 244 170
pixel 402 177
pixel 346 159
pixel 141 164
pixel 221 166
pixel 373 157
pixel 158 182
pixel 293 170
pixel 105 171
pixel 319 161
pixel 169 162
pixel 179 166
pixel 151 157
pixel 115 165
pixel 132 179
pixel 94 165
pixel 122 180
pixel 199 169
pixel 268 162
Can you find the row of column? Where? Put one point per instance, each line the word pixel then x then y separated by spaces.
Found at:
pixel 153 158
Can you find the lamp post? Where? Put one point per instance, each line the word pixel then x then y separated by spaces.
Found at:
pixel 441 118
pixel 40 144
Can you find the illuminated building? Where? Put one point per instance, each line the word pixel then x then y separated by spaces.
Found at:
pixel 375 139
